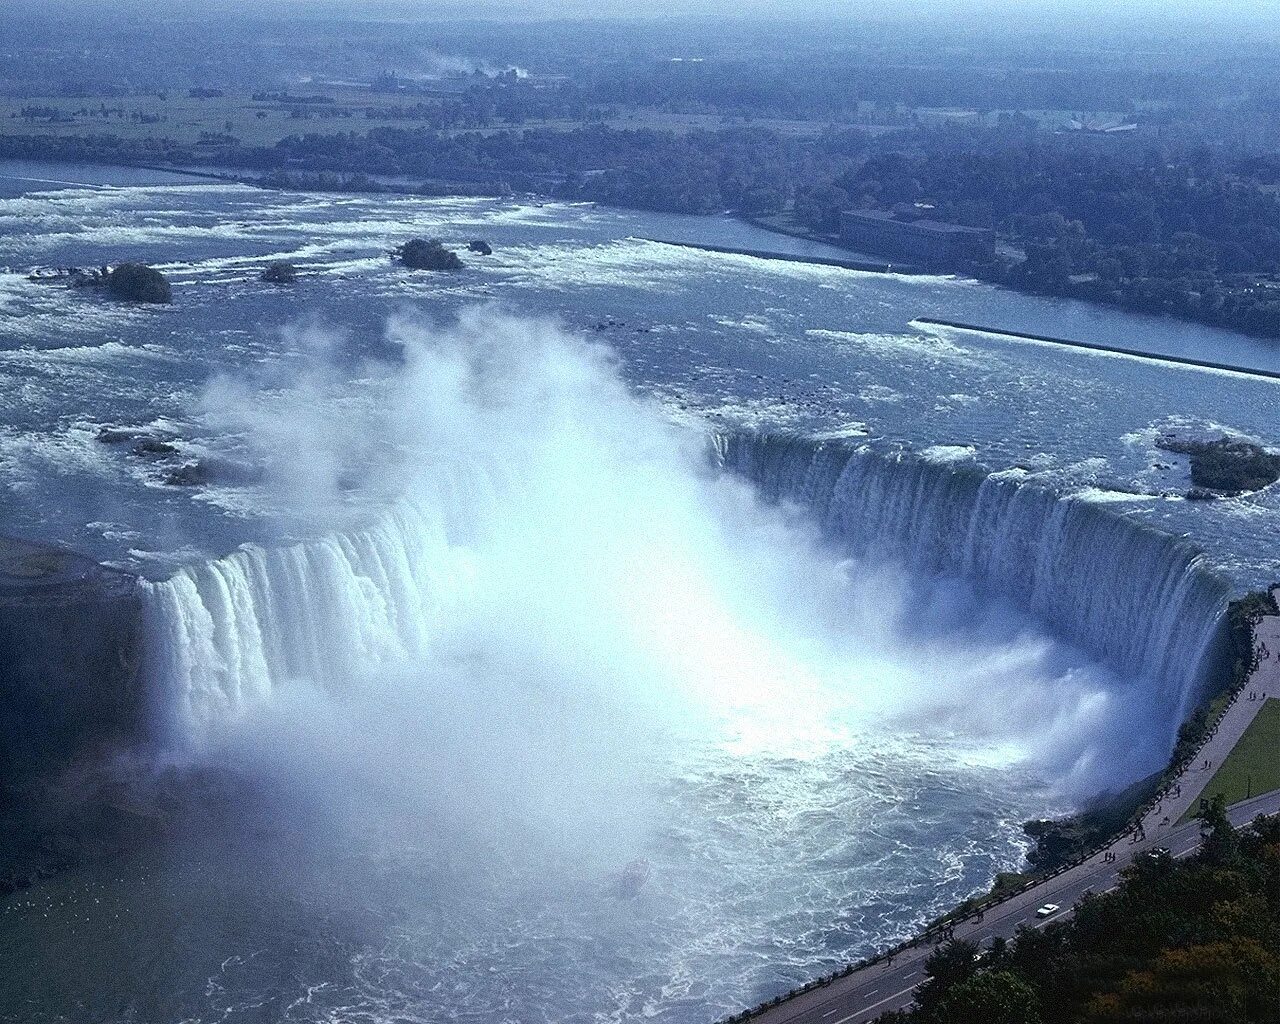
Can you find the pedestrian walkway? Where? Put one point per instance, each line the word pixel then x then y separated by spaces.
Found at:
pixel 1263 681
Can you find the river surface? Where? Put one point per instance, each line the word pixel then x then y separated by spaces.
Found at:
pixel 814 753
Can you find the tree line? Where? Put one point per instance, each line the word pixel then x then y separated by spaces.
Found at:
pixel 1184 233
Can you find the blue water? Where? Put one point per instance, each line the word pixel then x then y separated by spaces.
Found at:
pixel 768 866
pixel 732 340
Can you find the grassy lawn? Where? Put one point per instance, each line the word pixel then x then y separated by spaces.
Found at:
pixel 183 118
pixel 1253 766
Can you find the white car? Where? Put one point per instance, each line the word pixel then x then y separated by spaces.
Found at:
pixel 1048 910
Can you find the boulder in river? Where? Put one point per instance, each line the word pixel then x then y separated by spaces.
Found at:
pixel 1226 465
pixel 280 273
pixel 136 282
pixel 427 254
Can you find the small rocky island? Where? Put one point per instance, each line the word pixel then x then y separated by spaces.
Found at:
pixel 427 254
pixel 129 282
pixel 136 282
pixel 1224 465
pixel 280 273
pixel 172 463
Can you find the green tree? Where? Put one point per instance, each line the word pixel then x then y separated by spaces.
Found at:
pixel 1221 844
pixel 948 966
pixel 992 997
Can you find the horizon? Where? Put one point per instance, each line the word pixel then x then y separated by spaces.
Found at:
pixel 1079 13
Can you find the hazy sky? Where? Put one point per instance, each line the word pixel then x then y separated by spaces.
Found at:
pixel 1013 12
pixel 927 8
pixel 1155 10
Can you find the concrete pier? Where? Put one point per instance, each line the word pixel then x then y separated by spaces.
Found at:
pixel 818 261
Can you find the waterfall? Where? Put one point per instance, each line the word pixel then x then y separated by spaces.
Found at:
pixel 228 633
pixel 225 634
pixel 1142 601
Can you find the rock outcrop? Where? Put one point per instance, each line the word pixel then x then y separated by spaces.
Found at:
pixel 280 273
pixel 71 633
pixel 427 254
pixel 135 282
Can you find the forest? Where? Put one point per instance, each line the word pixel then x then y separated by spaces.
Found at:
pixel 1193 235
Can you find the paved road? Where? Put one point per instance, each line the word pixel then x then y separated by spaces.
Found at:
pixel 867 993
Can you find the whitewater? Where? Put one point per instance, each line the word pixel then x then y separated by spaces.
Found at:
pixel 603 550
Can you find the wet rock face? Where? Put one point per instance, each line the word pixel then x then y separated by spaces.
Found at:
pixel 71 633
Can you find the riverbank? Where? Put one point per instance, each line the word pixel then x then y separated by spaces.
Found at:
pixel 294 181
pixel 322 181
pixel 1003 273
pixel 304 181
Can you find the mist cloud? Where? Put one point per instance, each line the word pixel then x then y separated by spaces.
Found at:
pixel 599 594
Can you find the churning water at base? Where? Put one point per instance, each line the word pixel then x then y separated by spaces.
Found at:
pixel 414 759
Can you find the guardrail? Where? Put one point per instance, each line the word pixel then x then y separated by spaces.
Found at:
pixel 937 933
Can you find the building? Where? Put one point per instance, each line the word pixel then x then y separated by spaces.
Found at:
pixel 906 234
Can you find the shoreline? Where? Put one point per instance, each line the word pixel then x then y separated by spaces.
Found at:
pixel 381 185
pixel 997 282
pixel 464 189
pixel 186 172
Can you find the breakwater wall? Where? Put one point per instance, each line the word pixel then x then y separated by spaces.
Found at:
pixel 820 261
pixel 1204 364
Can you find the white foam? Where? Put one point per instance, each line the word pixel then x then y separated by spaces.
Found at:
pixel 1105 496
pixel 879 393
pixel 923 345
pixel 949 453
